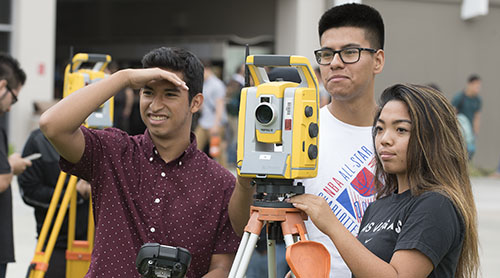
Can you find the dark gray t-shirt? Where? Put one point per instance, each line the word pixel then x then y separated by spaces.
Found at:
pixel 428 223
pixel 6 232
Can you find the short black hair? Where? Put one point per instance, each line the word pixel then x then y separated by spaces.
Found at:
pixel 473 77
pixel 11 71
pixel 181 60
pixel 355 15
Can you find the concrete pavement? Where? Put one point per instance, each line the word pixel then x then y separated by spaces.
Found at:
pixel 486 193
pixel 487 196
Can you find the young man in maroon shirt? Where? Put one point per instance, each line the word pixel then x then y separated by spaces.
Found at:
pixel 155 187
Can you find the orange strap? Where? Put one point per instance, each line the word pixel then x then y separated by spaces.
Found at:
pixel 77 256
pixel 81 244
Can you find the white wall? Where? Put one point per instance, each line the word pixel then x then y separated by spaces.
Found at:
pixel 427 41
pixel 297 27
pixel 33 44
pixel 416 33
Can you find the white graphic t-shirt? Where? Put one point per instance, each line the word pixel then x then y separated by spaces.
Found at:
pixel 346 164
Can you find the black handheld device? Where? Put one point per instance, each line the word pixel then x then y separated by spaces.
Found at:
pixel 160 261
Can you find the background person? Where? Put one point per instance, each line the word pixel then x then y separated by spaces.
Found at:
pixel 12 79
pixel 233 93
pixel 424 222
pixel 468 107
pixel 37 186
pixel 213 116
pixel 155 187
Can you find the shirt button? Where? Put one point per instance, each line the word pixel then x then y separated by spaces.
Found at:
pixel 157 200
pixel 152 229
pixel 180 163
pixel 151 159
pixel 163 174
pixel 156 152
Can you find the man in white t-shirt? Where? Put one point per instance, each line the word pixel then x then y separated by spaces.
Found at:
pixel 351 55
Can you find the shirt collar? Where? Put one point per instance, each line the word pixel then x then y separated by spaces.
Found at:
pixel 151 151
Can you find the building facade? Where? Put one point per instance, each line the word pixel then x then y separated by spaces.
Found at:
pixel 426 41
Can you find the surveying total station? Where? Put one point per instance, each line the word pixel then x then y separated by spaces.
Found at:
pixel 83 69
pixel 278 143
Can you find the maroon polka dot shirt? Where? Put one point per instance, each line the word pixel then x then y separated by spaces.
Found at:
pixel 138 198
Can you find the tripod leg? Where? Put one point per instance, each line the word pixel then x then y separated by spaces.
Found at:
pixel 239 254
pixel 271 258
pixel 247 255
pixel 288 240
pixel 243 256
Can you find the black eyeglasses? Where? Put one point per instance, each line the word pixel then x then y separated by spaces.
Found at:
pixel 14 97
pixel 324 56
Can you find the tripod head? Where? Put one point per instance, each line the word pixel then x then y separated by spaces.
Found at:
pixel 272 192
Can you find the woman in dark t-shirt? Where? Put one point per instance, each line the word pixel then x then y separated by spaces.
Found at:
pixel 423 223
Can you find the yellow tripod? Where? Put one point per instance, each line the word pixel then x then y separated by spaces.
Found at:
pixel 78 252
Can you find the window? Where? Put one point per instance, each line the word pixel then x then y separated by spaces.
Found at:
pixel 5 25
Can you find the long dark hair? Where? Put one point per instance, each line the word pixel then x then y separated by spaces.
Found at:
pixel 436 161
